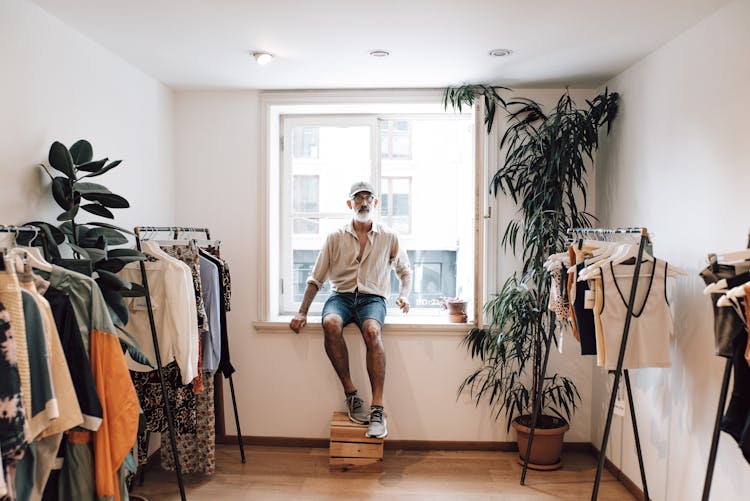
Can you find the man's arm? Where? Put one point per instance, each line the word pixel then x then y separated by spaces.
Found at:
pixel 300 319
pixel 404 273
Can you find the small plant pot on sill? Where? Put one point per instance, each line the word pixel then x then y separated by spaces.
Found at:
pixel 456 311
pixel 547 447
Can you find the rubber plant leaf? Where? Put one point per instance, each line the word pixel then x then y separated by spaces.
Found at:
pixel 81 152
pixel 107 168
pixel 60 159
pixel 93 166
pixel 98 209
pixel 62 193
pixel 108 200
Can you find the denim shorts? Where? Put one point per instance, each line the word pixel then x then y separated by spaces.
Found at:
pixel 355 307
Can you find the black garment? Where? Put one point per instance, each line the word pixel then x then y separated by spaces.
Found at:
pixel 75 354
pixel 727 323
pixel 584 317
pixel 225 364
pixel 12 418
pixel 181 403
pixel 730 333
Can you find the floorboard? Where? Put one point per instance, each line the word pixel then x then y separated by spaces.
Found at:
pixel 293 473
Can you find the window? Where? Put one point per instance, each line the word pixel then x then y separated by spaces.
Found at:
pixel 395 196
pixel 421 161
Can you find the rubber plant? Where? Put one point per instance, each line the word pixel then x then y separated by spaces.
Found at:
pixel 546 158
pixel 91 243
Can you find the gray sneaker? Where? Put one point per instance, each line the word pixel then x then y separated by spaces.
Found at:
pixel 355 407
pixel 377 428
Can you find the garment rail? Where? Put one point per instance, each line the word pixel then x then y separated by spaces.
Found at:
pixel 618 371
pixel 170 419
pixel 176 230
pixel 19 229
pixel 717 423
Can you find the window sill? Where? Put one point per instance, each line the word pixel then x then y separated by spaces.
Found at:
pixel 419 326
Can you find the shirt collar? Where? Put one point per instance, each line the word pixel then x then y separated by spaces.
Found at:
pixel 376 227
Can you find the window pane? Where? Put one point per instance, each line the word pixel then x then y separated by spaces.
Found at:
pixel 395 139
pixel 434 278
pixel 305 199
pixel 305 140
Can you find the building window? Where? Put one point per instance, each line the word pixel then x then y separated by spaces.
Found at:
pixel 395 139
pixel 305 141
pixel 395 196
pixel 305 193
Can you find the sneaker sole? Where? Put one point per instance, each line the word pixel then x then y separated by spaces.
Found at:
pixel 382 435
pixel 354 420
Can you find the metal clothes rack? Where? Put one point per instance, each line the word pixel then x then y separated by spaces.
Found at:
pixel 176 230
pixel 159 365
pixel 18 229
pixel 717 423
pixel 618 372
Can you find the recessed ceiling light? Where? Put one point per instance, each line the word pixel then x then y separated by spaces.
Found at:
pixel 263 57
pixel 380 53
pixel 500 52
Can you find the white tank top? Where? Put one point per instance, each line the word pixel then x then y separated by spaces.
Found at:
pixel 651 325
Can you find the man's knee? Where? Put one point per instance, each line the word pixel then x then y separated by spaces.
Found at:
pixel 371 331
pixel 332 325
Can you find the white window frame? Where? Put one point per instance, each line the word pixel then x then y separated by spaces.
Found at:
pixel 273 105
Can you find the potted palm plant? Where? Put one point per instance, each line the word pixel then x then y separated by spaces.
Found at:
pixel 544 172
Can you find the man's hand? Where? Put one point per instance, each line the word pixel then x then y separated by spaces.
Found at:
pixel 403 303
pixel 299 322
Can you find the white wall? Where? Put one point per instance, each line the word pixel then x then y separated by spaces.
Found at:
pixel 58 85
pixel 678 163
pixel 285 384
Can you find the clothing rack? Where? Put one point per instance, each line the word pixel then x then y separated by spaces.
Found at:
pixel 717 423
pixel 176 230
pixel 618 372
pixel 18 229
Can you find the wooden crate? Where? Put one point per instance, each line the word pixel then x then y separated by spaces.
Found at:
pixel 350 449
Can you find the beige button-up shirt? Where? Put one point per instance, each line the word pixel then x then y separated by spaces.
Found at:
pixel 338 261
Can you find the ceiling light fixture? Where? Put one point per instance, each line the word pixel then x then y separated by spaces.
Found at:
pixel 263 57
pixel 500 52
pixel 380 53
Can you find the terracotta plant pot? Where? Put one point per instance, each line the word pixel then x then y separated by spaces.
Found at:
pixel 456 311
pixel 547 446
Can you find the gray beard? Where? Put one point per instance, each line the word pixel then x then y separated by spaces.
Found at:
pixel 363 217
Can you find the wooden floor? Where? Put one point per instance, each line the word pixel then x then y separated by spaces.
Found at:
pixel 290 473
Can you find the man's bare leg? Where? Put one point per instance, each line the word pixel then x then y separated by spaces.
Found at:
pixel 336 350
pixel 371 333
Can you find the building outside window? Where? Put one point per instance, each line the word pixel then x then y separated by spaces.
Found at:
pixel 395 197
pixel 395 139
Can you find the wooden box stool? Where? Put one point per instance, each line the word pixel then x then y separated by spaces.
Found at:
pixel 350 449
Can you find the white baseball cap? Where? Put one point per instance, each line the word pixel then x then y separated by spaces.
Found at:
pixel 361 186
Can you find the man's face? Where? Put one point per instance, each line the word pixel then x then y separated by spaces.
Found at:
pixel 362 204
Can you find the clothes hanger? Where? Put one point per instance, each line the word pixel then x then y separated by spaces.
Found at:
pixel 725 284
pixel 734 293
pixel 734 257
pixel 30 258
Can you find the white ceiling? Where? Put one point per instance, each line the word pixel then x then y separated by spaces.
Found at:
pixel 324 44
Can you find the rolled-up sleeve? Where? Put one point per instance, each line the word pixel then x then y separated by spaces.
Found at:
pixel 322 265
pixel 403 267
